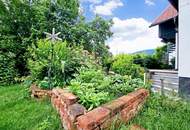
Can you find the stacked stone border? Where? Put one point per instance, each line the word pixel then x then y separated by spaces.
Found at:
pixel 74 116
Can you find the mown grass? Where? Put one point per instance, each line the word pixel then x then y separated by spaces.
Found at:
pixel 162 114
pixel 20 112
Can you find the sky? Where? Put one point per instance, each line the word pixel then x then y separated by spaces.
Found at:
pixel 131 19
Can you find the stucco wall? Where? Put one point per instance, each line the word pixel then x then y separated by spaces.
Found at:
pixel 184 38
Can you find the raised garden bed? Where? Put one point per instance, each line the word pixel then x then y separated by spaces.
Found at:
pixel 74 116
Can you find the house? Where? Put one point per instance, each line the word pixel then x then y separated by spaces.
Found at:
pixel 174 30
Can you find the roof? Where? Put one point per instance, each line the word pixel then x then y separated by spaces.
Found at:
pixel 174 3
pixel 167 14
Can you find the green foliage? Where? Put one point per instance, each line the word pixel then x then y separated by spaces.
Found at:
pixel 161 52
pixel 156 61
pixel 7 69
pixel 16 18
pixel 64 62
pixel 94 87
pixel 162 113
pixel 23 23
pixel 20 112
pixel 62 65
pixel 123 64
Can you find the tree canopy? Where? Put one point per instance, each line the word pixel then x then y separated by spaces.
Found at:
pixel 22 22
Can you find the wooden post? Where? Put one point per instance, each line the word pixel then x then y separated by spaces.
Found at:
pixel 162 87
pixel 144 78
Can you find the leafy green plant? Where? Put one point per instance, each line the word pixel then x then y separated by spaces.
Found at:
pixel 94 87
pixel 8 71
pixel 123 64
pixel 88 95
pixel 66 61
pixel 23 22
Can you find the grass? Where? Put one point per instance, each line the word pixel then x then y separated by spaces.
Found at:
pixel 20 112
pixel 162 114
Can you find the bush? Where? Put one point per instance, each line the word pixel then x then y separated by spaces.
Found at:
pixel 150 62
pixel 7 69
pixel 123 64
pixel 94 87
pixel 65 62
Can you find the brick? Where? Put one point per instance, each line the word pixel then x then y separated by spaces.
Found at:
pixel 67 122
pixel 141 93
pixel 114 106
pixel 65 96
pixel 39 93
pixel 75 110
pixel 61 91
pixel 127 100
pixel 126 110
pixel 55 92
pixel 144 91
pixel 139 102
pixel 115 120
pixel 136 127
pixel 56 103
pixel 86 122
pixel 93 118
pixel 127 113
pixel 136 95
pixel 62 110
pixel 68 98
pixel 73 114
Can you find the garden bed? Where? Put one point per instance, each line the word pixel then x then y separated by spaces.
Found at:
pixel 75 116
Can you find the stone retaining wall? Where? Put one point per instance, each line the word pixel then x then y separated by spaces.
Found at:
pixel 39 93
pixel 75 117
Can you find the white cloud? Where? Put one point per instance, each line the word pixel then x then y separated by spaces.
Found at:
pixel 150 2
pixel 107 8
pixel 131 35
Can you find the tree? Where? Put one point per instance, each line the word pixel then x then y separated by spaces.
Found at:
pixel 22 22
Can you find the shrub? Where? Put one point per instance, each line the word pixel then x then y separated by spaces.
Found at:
pixel 7 68
pixel 150 62
pixel 64 62
pixel 123 64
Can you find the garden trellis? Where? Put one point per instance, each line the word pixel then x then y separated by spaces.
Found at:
pixel 53 37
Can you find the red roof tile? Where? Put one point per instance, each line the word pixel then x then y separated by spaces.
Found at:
pixel 168 14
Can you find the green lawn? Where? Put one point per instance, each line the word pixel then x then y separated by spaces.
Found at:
pixel 20 112
pixel 163 114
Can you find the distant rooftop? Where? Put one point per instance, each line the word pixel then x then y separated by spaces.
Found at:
pixel 167 14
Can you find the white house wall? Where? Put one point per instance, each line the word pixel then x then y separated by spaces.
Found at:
pixel 184 48
pixel 184 38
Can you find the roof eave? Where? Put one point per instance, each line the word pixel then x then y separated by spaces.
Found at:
pixel 174 3
pixel 155 24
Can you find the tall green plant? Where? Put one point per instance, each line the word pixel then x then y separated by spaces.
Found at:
pixel 67 60
pixel 24 21
pixel 7 68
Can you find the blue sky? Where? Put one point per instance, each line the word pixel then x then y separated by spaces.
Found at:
pixel 131 22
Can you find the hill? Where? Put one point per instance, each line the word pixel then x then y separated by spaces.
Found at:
pixel 148 52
